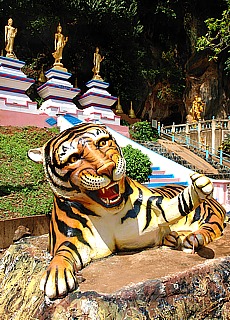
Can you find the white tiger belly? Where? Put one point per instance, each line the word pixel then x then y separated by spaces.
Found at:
pixel 113 233
pixel 131 237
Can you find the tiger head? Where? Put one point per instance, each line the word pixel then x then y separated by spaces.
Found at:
pixel 84 164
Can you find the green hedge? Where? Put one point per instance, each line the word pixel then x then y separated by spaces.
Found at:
pixel 143 131
pixel 137 164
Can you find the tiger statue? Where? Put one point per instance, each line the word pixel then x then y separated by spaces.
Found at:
pixel 98 210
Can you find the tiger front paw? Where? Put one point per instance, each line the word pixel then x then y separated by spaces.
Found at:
pixel 193 242
pixel 172 240
pixel 202 185
pixel 59 279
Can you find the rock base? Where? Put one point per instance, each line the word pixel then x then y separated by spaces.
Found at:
pixel 152 284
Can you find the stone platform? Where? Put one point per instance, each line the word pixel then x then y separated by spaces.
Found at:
pixel 151 284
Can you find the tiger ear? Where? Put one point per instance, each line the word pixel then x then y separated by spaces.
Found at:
pixel 36 155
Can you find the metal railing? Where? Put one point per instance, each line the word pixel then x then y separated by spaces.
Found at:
pixel 160 149
pixel 202 124
pixel 219 159
pixel 208 132
pixel 202 150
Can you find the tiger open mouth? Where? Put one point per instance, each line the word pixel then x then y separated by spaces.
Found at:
pixel 110 195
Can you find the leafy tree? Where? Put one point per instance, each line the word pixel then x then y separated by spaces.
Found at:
pixel 217 38
pixel 226 144
pixel 143 131
pixel 137 164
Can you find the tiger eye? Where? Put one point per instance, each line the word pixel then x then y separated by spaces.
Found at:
pixel 102 143
pixel 73 159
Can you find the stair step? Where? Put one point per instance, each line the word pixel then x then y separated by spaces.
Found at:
pixel 158 172
pixel 155 168
pixel 160 184
pixel 159 176
pixel 165 180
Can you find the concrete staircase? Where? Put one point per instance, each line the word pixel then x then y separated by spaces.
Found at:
pixel 181 155
pixel 158 178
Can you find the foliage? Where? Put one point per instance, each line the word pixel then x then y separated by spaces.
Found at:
pixel 226 144
pixel 39 101
pixel 163 65
pixel 165 8
pixel 23 187
pixel 124 123
pixel 137 164
pixel 170 74
pixel 34 68
pixel 173 74
pixel 217 38
pixel 143 131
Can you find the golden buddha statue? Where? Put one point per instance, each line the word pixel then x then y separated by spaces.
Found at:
pixel 10 33
pixel 97 59
pixel 59 43
pixel 131 111
pixel 119 109
pixel 197 108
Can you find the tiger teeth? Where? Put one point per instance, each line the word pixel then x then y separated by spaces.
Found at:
pixel 103 190
pixel 111 185
pixel 109 202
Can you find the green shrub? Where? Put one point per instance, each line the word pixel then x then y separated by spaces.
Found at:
pixel 143 131
pixel 137 164
pixel 226 144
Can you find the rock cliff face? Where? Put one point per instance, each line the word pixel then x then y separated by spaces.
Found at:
pixel 203 78
pixel 167 110
pixel 208 80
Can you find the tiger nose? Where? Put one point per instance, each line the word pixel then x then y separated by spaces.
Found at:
pixel 106 168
